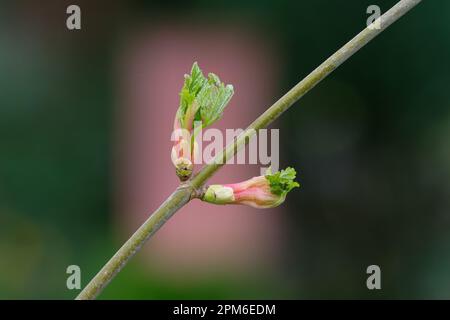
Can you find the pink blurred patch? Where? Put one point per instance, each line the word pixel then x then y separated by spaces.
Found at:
pixel 200 237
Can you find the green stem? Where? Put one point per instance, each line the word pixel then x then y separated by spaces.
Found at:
pixel 183 194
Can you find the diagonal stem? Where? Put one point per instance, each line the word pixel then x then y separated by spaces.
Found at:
pixel 186 191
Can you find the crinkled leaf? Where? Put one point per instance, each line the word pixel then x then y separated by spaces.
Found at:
pixel 202 99
pixel 213 98
pixel 282 182
pixel 193 83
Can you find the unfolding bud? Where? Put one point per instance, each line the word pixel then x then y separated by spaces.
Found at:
pixel 266 191
pixel 202 100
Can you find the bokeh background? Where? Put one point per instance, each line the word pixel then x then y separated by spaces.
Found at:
pixel 85 121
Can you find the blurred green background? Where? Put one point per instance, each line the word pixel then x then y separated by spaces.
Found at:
pixel 371 142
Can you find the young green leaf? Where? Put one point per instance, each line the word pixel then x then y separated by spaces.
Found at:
pixel 193 83
pixel 202 99
pixel 282 182
pixel 213 98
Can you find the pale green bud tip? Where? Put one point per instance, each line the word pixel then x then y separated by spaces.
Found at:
pixel 218 194
pixel 183 168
